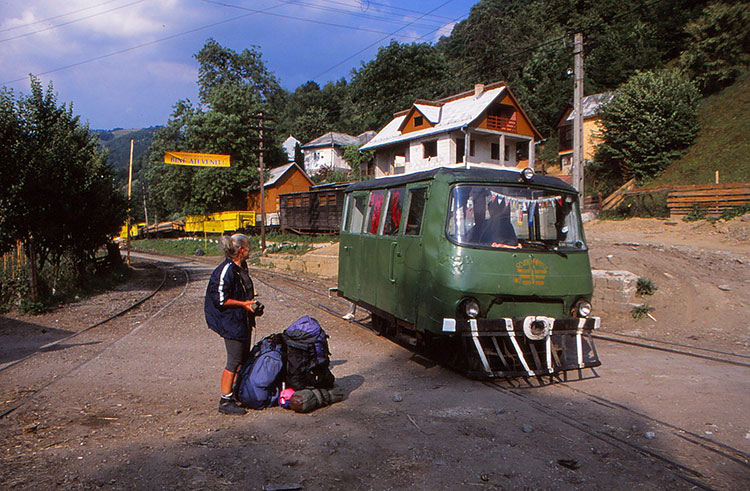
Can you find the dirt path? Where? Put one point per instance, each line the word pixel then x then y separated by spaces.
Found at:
pixel 143 413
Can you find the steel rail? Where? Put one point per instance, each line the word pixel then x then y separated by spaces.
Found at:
pixel 670 350
pixel 99 353
pixel 683 472
pixel 739 355
pixel 676 468
pixel 47 346
pixel 739 456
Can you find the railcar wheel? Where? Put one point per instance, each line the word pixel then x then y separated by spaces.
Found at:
pixel 379 325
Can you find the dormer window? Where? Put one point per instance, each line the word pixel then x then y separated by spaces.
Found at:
pixel 418 120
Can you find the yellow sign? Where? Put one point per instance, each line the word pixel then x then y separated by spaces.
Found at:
pixel 531 272
pixel 199 159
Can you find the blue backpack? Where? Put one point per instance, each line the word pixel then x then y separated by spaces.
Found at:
pixel 307 355
pixel 260 379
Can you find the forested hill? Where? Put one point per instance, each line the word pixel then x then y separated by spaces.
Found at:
pixel 117 141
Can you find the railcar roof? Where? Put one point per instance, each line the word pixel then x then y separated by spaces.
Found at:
pixel 459 174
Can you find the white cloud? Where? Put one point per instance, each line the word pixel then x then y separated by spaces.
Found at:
pixel 446 30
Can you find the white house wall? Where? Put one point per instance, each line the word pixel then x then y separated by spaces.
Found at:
pixel 387 163
pixel 319 157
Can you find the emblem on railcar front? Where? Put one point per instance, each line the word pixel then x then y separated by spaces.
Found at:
pixel 531 271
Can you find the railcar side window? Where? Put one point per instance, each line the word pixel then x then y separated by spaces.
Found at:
pixel 374 211
pixel 356 214
pixel 416 210
pixel 393 215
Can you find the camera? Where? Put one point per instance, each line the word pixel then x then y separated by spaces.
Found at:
pixel 258 308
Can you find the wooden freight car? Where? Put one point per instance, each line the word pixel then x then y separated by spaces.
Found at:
pixel 315 211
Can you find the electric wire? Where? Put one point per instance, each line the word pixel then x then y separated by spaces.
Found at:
pixel 71 22
pixel 377 42
pixel 57 16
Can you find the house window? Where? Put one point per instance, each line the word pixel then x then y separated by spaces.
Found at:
pixel 418 120
pixel 495 151
pixel 460 148
pixel 471 148
pixel 429 149
pixel 331 200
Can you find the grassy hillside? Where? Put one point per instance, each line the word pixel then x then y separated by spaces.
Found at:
pixel 722 142
pixel 117 141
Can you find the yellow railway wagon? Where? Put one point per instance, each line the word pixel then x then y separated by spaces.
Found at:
pixel 219 222
pixel 134 227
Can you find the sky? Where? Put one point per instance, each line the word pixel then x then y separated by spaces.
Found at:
pixel 125 63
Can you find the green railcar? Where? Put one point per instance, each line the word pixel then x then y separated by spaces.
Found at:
pixel 490 263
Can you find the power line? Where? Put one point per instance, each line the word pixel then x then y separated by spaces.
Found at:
pixel 72 21
pixel 132 48
pixel 389 7
pixel 358 14
pixel 190 31
pixel 378 41
pixel 57 16
pixel 239 7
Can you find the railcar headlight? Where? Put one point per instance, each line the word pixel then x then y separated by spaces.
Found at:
pixel 527 174
pixel 471 308
pixel 583 308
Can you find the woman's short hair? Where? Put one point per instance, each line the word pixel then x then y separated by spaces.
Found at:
pixel 231 244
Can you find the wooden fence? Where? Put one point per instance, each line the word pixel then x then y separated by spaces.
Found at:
pixel 711 199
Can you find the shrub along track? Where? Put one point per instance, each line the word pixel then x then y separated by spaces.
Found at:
pixel 60 358
pixel 706 452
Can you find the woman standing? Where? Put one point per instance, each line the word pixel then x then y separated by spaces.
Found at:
pixel 231 311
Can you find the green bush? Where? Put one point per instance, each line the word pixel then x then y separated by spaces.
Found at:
pixel 642 205
pixel 698 212
pixel 650 120
pixel 640 311
pixel 734 212
pixel 645 287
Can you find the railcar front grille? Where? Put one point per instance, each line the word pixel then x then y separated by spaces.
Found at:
pixel 525 346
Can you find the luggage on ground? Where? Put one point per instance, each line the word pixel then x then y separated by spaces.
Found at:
pixel 304 401
pixel 260 379
pixel 307 355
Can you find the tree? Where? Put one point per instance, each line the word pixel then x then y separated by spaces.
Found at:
pixel 650 120
pixel 234 88
pixel 399 74
pixel 719 47
pixel 58 196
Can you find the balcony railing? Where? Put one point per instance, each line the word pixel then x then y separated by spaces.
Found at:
pixel 501 123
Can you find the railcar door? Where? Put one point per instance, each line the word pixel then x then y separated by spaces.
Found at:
pixel 387 252
pixel 350 244
pixel 408 254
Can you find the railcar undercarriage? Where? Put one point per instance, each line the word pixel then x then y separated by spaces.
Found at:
pixel 524 347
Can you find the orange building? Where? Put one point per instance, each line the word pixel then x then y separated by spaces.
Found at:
pixel 591 129
pixel 289 178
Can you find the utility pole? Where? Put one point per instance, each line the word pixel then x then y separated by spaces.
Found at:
pixel 130 182
pixel 578 119
pixel 262 191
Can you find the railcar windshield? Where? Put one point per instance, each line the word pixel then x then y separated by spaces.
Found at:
pixel 513 217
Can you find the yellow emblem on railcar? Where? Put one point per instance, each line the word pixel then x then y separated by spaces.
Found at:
pixel 531 271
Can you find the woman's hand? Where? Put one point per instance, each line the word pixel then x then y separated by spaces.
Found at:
pixel 243 304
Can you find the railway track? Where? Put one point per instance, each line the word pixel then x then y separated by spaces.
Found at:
pixel 703 449
pixel 62 358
